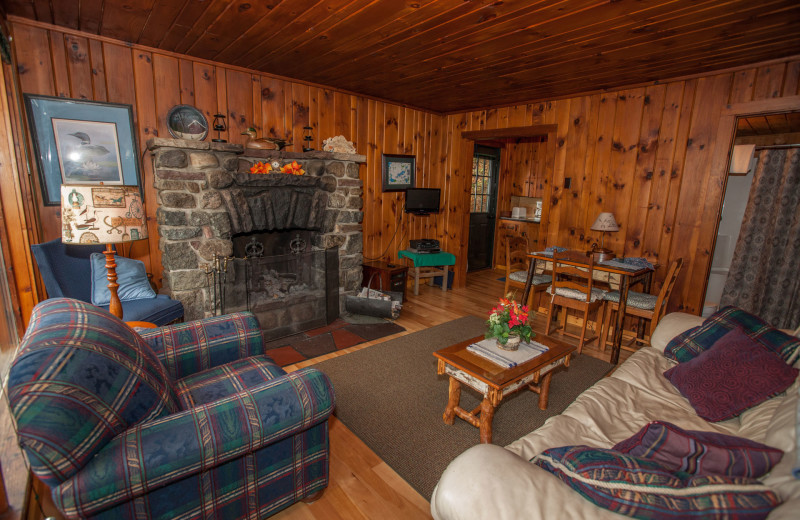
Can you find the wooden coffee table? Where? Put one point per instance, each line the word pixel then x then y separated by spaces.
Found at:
pixel 495 382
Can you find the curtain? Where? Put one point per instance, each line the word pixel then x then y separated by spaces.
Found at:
pixel 764 277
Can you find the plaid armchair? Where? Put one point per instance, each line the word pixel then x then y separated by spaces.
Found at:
pixel 184 421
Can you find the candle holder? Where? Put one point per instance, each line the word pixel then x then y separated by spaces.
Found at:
pixel 308 138
pixel 219 127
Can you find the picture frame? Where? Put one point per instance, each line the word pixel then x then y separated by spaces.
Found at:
pixel 399 171
pixel 82 142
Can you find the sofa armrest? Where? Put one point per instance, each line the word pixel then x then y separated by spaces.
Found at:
pixel 670 326
pixel 188 348
pixel 487 481
pixel 154 454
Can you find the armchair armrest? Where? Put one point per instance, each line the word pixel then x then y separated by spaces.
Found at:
pixel 188 348
pixel 157 453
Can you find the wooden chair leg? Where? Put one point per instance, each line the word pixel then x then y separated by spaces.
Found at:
pixel 583 330
pixel 549 318
pixel 606 325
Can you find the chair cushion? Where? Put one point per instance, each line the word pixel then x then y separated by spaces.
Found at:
pixel 639 300
pixel 131 277
pixel 575 294
pixel 735 374
pixel 160 310
pixel 691 343
pixel 522 277
pixel 222 381
pixel 644 488
pixel 80 378
pixel 699 452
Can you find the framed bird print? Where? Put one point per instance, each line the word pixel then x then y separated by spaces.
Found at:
pixel 82 142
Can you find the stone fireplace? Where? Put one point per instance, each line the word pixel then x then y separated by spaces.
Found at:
pixel 210 207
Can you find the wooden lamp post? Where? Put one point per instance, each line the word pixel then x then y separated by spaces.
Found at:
pixel 102 214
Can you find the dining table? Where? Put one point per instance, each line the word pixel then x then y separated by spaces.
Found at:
pixel 629 274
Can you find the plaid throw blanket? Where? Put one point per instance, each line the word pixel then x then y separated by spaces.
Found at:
pixel 693 342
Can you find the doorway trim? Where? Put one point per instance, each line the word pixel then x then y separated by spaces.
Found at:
pixel 726 134
pixel 551 131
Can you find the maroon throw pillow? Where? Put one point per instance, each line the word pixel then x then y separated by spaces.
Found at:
pixel 735 374
pixel 699 452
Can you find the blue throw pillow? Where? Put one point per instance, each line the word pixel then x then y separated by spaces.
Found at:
pixel 131 277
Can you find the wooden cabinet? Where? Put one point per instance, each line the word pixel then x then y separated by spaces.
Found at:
pixel 512 228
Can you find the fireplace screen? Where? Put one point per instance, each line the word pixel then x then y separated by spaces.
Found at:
pixel 288 293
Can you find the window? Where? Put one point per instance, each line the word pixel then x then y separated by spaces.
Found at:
pixel 482 167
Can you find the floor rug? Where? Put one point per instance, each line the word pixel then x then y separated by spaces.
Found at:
pixel 390 396
pixel 324 340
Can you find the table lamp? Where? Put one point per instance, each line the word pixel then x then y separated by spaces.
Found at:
pixel 605 222
pixel 100 214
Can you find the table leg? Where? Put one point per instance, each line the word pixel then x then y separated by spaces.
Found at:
pixel 452 401
pixel 487 414
pixel 646 282
pixel 544 390
pixel 445 274
pixel 528 281
pixel 623 303
pixel 416 281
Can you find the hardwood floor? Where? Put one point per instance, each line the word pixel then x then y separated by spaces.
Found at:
pixel 361 484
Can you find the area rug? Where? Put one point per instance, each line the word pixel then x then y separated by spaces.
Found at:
pixel 390 396
pixel 324 340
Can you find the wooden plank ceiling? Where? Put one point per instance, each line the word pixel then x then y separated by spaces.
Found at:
pixel 449 55
pixel 788 122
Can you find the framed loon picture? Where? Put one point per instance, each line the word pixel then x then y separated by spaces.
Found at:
pixel 82 142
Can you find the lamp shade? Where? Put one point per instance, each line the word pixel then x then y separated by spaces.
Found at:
pixel 605 222
pixel 98 214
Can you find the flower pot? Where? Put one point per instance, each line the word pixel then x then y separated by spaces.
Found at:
pixel 511 344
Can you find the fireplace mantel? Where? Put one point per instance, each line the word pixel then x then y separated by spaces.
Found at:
pixel 206 194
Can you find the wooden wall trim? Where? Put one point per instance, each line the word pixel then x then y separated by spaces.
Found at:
pixel 763 106
pixel 514 131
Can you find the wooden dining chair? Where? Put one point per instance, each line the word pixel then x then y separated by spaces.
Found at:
pixel 642 305
pixel 517 262
pixel 572 289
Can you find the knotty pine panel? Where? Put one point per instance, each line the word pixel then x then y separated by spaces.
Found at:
pixel 647 156
pixel 662 182
pixel 82 66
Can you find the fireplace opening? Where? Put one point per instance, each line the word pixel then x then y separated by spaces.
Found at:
pixel 279 277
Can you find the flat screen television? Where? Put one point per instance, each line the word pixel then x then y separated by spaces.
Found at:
pixel 422 201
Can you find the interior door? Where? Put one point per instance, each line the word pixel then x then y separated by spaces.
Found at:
pixel 483 206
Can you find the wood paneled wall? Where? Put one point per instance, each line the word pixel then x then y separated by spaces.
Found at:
pixel 643 153
pixel 70 64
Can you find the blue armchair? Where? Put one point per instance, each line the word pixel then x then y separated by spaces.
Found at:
pixel 186 421
pixel 67 272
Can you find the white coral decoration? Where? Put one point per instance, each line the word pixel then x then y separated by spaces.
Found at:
pixel 338 144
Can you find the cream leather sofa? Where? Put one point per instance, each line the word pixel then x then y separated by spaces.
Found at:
pixel 491 482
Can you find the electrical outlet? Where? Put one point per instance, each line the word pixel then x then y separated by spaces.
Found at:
pixel 567 182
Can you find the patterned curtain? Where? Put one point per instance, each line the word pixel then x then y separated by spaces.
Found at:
pixel 764 277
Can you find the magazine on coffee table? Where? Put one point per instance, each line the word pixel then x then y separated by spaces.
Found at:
pixel 488 349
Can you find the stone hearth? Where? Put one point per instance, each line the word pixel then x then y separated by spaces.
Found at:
pixel 206 196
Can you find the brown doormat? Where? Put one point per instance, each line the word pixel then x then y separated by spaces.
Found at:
pixel 324 340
